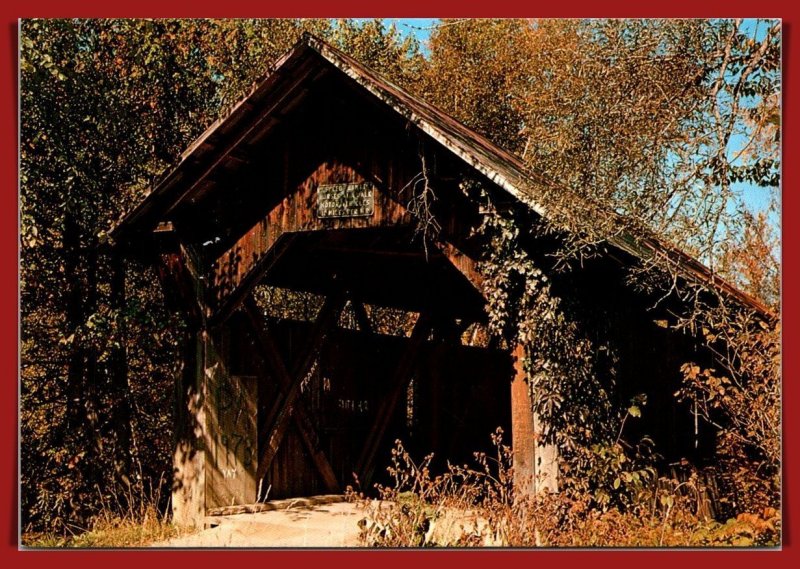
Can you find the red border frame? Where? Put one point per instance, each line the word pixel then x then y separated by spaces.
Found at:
pixel 13 9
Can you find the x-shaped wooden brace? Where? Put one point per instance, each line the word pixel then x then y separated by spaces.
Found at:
pixel 398 385
pixel 287 404
pixel 302 417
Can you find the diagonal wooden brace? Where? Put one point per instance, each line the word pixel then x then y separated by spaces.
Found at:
pixel 302 418
pixel 362 318
pixel 282 412
pixel 398 385
pixel 229 304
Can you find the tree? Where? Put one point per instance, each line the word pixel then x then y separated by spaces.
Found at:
pixel 106 106
pixel 647 128
pixel 655 120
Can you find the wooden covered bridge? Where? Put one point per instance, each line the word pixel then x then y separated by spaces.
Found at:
pixel 323 325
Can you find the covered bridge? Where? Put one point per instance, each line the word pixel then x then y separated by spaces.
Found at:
pixel 324 324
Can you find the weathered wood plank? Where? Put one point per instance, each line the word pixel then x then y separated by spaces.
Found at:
pixel 399 384
pixel 231 449
pixel 279 418
pixel 535 463
pixel 465 265
pixel 302 418
pixel 272 505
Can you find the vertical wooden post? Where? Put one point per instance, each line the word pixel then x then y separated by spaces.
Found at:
pixel 189 481
pixel 184 292
pixel 535 463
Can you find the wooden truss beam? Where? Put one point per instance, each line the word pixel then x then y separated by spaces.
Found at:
pixel 398 386
pixel 302 417
pixel 269 260
pixel 278 420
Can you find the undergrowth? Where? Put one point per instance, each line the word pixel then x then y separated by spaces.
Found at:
pixel 126 519
pixel 475 505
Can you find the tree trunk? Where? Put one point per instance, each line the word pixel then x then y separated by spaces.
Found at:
pixel 122 413
pixel 90 384
pixel 74 312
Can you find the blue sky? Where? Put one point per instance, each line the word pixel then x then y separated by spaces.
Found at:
pixel 419 27
pixel 756 198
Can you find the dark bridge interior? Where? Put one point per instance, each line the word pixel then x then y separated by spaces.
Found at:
pixel 440 389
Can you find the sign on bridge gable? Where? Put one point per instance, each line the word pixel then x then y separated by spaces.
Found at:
pixel 345 200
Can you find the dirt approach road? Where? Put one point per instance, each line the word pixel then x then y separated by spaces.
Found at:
pixel 291 524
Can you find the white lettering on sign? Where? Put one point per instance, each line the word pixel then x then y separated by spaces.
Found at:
pixel 346 200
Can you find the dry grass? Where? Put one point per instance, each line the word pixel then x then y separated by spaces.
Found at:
pixel 111 532
pixel 130 518
pixel 476 507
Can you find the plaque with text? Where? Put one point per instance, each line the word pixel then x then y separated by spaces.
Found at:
pixel 346 200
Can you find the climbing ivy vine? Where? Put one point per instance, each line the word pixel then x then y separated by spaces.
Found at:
pixel 570 358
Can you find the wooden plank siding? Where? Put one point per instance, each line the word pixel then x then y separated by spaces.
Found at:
pixel 240 267
pixel 231 448
pixel 296 212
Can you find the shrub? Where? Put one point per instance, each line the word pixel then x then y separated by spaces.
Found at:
pixel 470 506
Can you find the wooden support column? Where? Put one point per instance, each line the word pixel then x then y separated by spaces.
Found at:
pixel 535 463
pixel 188 466
pixel 185 293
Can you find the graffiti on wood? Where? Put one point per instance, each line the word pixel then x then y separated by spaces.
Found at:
pixel 233 438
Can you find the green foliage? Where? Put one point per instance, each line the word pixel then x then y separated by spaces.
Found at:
pixel 474 506
pixel 106 106
pixel 612 475
pixel 743 400
pixel 570 364
pixel 635 114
